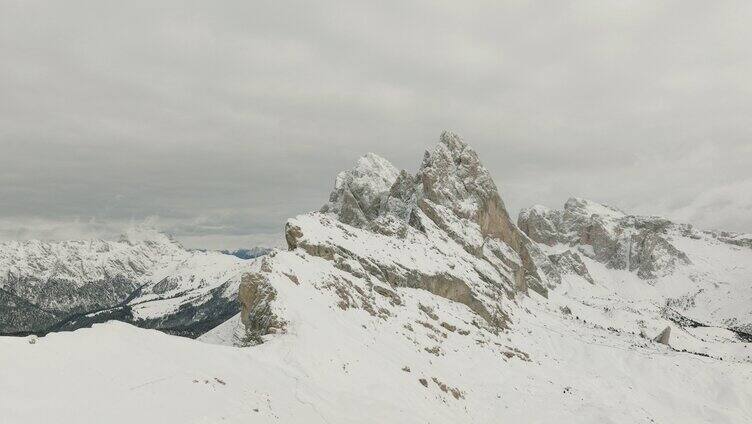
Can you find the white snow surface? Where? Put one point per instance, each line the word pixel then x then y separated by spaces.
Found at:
pixel 343 367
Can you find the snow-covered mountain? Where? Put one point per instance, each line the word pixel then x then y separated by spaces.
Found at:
pixel 468 317
pixel 694 278
pixel 144 278
pixel 416 298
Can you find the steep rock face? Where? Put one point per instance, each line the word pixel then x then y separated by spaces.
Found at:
pixel 570 262
pixel 256 295
pixel 359 193
pixel 451 188
pixel 452 176
pixel 144 278
pixel 417 260
pixel 444 230
pixel 635 243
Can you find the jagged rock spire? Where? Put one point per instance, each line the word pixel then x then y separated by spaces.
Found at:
pixel 359 192
pixel 452 175
pixel 374 195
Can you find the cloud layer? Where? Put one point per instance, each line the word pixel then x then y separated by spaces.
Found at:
pixel 222 119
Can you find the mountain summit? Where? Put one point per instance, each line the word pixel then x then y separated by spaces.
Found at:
pixel 444 230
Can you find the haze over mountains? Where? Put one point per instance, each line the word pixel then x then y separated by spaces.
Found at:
pixel 406 298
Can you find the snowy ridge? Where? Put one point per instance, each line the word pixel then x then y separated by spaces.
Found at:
pixel 145 278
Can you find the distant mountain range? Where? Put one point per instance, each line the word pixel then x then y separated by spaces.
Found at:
pixel 251 253
pixel 145 278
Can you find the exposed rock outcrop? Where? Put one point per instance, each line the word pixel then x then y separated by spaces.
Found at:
pixel 452 189
pixel 452 176
pixel 256 296
pixel 570 262
pixel 741 240
pixel 635 243
pixel 360 193
pixel 663 338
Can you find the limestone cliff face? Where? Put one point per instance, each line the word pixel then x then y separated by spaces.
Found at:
pixel 452 176
pixel 256 296
pixel 635 243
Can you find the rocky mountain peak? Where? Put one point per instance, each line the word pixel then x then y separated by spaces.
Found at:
pixel 452 140
pixel 359 192
pixel 452 175
pixel 386 236
pixel 452 199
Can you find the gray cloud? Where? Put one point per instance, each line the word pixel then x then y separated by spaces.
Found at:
pixel 218 120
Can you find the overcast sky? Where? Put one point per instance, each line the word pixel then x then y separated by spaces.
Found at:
pixel 215 121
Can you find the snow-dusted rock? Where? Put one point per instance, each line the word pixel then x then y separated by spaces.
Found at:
pixel 664 337
pixel 636 243
pixel 742 240
pixel 359 193
pixel 453 177
pixel 431 292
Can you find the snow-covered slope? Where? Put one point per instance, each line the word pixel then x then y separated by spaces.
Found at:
pixel 144 278
pixel 338 366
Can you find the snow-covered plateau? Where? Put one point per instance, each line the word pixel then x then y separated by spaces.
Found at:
pixel 410 298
